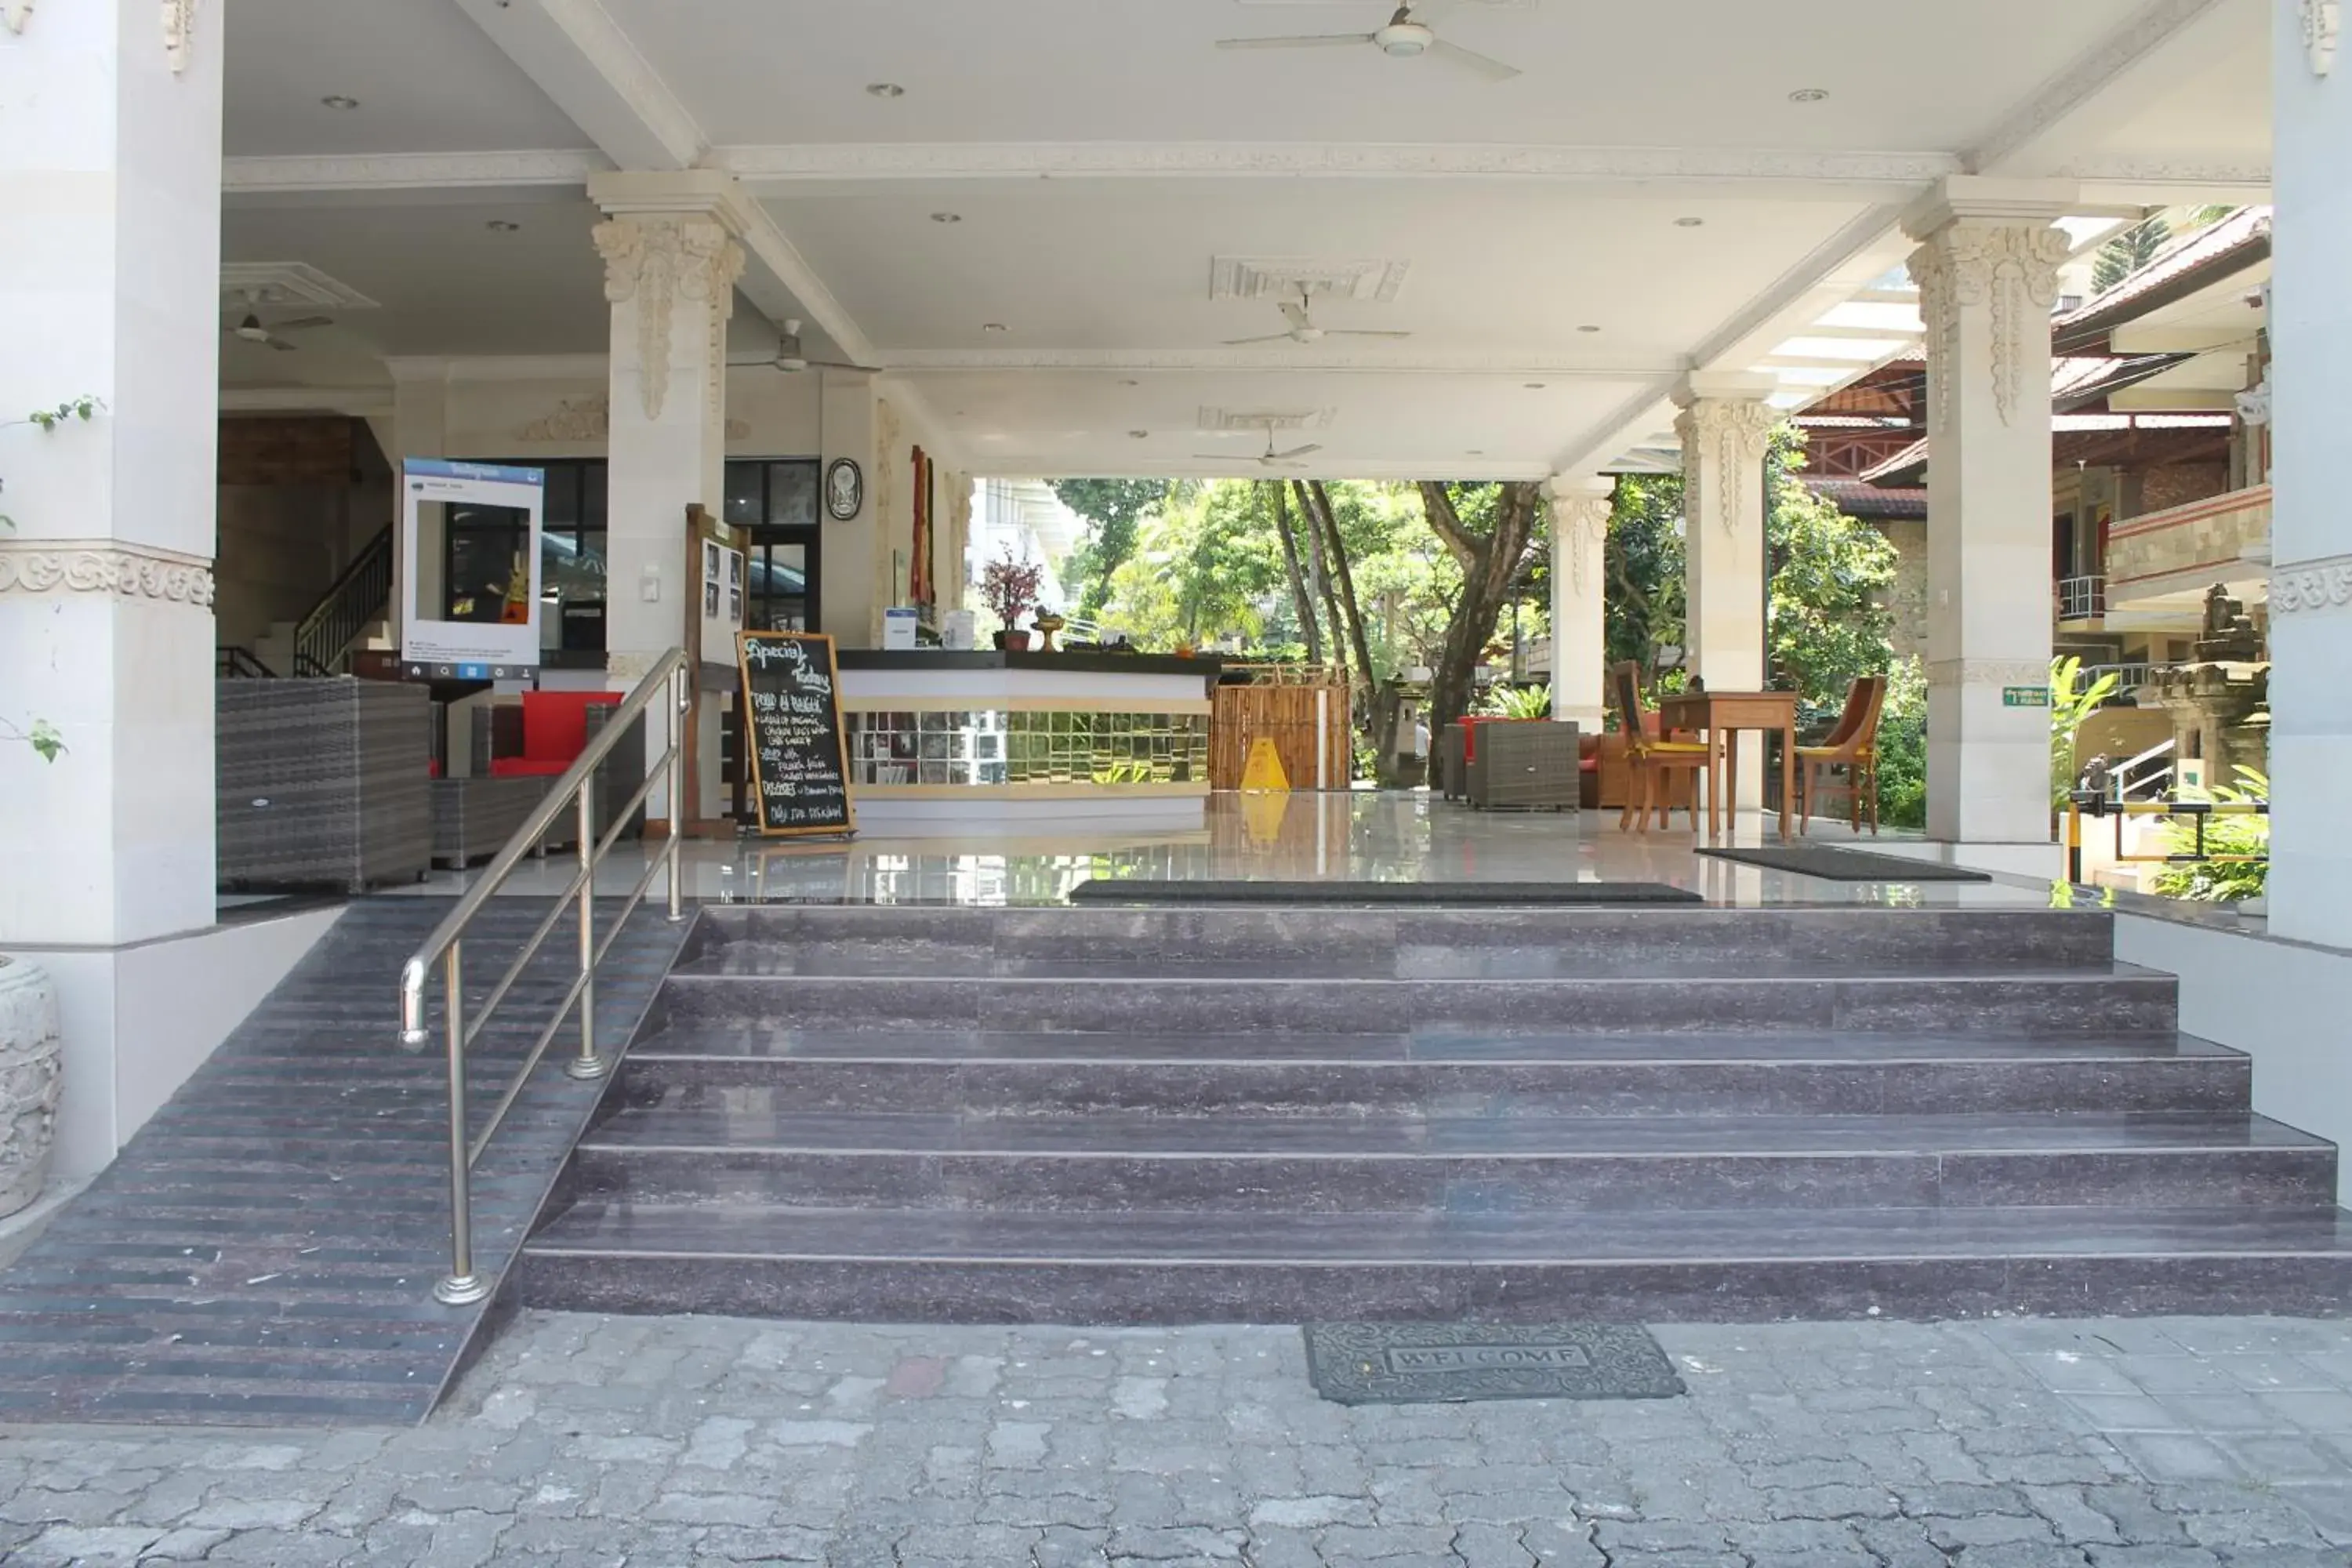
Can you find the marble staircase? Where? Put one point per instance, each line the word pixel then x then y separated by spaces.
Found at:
pixel 1120 1115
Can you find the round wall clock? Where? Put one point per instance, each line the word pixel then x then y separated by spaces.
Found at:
pixel 845 490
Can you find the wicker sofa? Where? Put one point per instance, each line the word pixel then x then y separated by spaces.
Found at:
pixel 321 783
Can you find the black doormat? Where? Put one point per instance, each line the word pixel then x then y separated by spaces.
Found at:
pixel 1834 864
pixel 1142 891
pixel 1451 1364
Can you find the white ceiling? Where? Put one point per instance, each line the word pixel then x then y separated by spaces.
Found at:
pixel 1699 73
pixel 425 79
pixel 1101 154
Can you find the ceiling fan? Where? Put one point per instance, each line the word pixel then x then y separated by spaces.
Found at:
pixel 789 358
pixel 253 332
pixel 1405 37
pixel 1272 459
pixel 1301 314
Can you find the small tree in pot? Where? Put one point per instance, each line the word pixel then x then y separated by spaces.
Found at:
pixel 30 1076
pixel 1009 588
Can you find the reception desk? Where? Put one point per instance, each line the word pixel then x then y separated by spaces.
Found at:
pixel 1026 739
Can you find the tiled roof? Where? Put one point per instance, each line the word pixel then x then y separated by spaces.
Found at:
pixel 2242 239
pixel 1858 498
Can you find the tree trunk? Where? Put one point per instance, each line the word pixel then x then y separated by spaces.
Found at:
pixel 1489 562
pixel 1300 602
pixel 1378 719
pixel 1322 568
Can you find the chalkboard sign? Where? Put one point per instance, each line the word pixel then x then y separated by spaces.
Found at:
pixel 792 706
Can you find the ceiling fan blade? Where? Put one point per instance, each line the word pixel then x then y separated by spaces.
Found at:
pixel 1486 66
pixel 1295 311
pixel 1297 451
pixel 282 346
pixel 1361 333
pixel 1314 41
pixel 303 324
pixel 843 364
pixel 1269 338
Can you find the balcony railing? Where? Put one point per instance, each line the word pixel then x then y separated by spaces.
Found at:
pixel 2081 598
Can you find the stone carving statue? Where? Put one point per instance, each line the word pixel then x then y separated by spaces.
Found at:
pixel 2229 633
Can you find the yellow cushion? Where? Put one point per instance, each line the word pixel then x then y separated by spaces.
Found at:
pixel 1675 748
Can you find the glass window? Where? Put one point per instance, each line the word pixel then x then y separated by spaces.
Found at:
pixel 747 499
pixel 791 493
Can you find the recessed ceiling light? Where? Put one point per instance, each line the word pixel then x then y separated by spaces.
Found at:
pixel 337 100
pixel 1587 329
pixel 886 90
pixel 503 225
pixel 947 218
pixel 1137 435
pixel 1689 222
pixel 993 327
pixel 1808 95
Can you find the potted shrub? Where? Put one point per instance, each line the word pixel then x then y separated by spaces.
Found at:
pixel 30 1075
pixel 1009 588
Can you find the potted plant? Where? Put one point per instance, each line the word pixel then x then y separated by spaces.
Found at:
pixel 1009 588
pixel 30 1064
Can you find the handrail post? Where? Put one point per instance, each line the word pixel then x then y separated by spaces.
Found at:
pixel 681 705
pixel 462 1286
pixel 587 1064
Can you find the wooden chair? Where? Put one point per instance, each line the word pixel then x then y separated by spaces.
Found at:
pixel 1651 758
pixel 1852 746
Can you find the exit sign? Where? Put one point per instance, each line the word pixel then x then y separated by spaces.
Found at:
pixel 2025 697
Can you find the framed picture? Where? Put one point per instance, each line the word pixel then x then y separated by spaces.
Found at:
pixel 845 490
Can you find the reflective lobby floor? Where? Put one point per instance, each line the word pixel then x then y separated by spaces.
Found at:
pixel 1360 837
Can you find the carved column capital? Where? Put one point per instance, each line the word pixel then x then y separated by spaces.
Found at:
pixel 1734 433
pixel 2010 268
pixel 1580 510
pixel 665 262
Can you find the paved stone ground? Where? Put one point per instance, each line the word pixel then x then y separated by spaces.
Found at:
pixel 584 1440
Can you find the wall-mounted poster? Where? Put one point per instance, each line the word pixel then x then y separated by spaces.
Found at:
pixel 484 521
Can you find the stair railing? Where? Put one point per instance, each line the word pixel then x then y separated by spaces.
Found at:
pixel 668 680
pixel 356 597
pixel 2145 776
pixel 241 663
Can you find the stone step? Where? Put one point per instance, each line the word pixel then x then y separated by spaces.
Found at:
pixel 716 1147
pixel 1735 1266
pixel 2115 1000
pixel 893 940
pixel 761 1069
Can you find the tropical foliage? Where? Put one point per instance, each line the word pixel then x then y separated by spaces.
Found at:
pixel 2237 847
pixel 2071 702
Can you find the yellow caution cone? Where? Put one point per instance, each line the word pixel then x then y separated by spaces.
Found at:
pixel 1264 769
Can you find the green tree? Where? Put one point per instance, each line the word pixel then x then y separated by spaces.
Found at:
pixel 1117 508
pixel 2129 252
pixel 1643 563
pixel 1903 746
pixel 1205 567
pixel 1489 528
pixel 1828 623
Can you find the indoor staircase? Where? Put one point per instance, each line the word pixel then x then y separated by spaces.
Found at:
pixel 1120 1115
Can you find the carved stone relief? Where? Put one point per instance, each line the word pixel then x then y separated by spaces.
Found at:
pixel 659 262
pixel 2010 268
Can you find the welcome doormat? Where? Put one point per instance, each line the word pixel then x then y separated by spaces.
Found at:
pixel 1452 1363
pixel 1832 863
pixel 1145 890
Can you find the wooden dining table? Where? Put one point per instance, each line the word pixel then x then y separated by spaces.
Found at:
pixel 1720 716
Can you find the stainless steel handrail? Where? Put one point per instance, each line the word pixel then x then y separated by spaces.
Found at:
pixel 575 790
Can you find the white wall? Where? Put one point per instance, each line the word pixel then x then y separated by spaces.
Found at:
pixel 2280 1001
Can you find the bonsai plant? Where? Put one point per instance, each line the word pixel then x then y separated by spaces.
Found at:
pixel 30 1075
pixel 1008 588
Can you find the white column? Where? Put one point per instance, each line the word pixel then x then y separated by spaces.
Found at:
pixel 2310 892
pixel 110 287
pixel 1580 505
pixel 1986 271
pixel 671 260
pixel 1726 427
